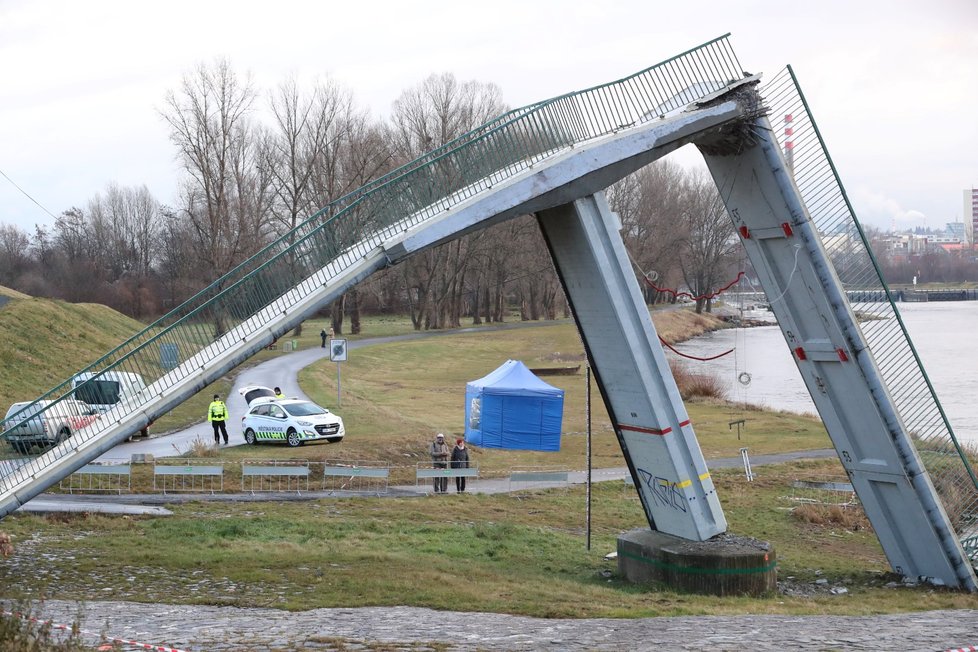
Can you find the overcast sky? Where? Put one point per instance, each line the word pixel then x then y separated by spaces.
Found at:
pixel 893 84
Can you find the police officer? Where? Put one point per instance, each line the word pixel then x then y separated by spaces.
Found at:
pixel 217 414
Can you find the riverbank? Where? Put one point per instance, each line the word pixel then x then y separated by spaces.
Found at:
pixel 677 324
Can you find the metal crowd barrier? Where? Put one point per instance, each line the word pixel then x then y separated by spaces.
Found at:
pixel 425 472
pixel 275 476
pixel 534 477
pixel 109 476
pixel 189 477
pixel 360 476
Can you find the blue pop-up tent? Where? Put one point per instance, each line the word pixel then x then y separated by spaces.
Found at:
pixel 512 408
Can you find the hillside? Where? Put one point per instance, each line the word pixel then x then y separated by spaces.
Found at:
pixel 45 342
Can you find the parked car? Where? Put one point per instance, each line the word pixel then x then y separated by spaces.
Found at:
pixel 290 420
pixel 45 425
pixel 251 392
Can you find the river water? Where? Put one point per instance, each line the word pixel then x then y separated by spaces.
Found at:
pixel 941 332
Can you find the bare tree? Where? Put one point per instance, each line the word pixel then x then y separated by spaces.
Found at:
pixel 428 116
pixel 648 204
pixel 320 152
pixel 15 259
pixel 710 246
pixel 123 228
pixel 308 130
pixel 209 124
pixel 226 195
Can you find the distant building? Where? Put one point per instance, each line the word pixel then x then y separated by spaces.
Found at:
pixel 957 230
pixel 901 246
pixel 970 214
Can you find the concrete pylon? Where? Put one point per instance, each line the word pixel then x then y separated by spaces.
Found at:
pixel 630 366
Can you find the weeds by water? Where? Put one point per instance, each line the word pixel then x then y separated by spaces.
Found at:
pixel 20 631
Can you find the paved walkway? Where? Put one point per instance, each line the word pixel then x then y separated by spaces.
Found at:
pixel 151 504
pixel 219 629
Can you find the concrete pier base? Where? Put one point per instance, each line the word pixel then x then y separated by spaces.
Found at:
pixel 726 564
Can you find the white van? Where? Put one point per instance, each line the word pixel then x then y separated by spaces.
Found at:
pixel 107 389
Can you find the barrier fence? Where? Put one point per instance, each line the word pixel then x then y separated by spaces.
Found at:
pixel 529 478
pixel 359 476
pixel 274 476
pixel 109 476
pixel 188 476
pixel 254 476
pixel 425 473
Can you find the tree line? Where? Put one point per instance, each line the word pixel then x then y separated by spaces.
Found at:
pixel 256 164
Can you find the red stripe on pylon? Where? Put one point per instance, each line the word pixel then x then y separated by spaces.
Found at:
pixel 647 431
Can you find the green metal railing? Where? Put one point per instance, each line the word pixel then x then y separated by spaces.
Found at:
pixel 302 261
pixel 947 462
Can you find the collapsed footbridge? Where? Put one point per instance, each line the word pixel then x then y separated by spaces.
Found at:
pixel 554 159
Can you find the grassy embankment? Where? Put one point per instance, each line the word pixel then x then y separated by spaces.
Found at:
pixel 45 342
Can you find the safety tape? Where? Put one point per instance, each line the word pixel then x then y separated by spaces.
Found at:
pixel 967 648
pixel 111 639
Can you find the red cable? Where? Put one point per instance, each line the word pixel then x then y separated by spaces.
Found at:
pixel 693 357
pixel 703 297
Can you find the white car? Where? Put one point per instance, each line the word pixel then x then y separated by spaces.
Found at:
pixel 290 420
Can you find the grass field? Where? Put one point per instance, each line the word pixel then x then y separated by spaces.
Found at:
pixel 497 553
pixel 472 552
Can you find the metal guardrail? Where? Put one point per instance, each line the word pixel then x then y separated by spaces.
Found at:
pixel 425 473
pixel 316 252
pixel 526 478
pixel 188 476
pixel 258 476
pixel 108 477
pixel 360 476
pixel 949 464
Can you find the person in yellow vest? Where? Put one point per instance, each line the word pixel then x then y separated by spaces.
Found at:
pixel 217 414
pixel 278 393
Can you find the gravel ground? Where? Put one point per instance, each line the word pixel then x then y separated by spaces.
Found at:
pixel 188 627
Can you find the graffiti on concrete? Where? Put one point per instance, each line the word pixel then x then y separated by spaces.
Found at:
pixel 663 491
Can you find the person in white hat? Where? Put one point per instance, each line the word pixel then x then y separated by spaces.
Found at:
pixel 439 459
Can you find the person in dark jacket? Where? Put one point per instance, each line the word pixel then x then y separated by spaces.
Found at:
pixel 460 460
pixel 322 334
pixel 439 459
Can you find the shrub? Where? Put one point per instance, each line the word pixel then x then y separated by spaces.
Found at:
pixel 850 517
pixel 693 384
pixel 21 634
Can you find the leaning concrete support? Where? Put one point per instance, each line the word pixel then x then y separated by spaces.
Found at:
pixel 636 383
pixel 832 355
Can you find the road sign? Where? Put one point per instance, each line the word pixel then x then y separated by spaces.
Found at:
pixel 337 350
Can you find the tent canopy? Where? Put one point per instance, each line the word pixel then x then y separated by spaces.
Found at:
pixel 511 408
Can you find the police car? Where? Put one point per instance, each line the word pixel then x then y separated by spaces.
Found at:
pixel 290 420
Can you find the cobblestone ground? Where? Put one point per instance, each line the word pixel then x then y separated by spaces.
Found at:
pixel 201 628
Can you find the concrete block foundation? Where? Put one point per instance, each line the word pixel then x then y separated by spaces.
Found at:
pixel 726 564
